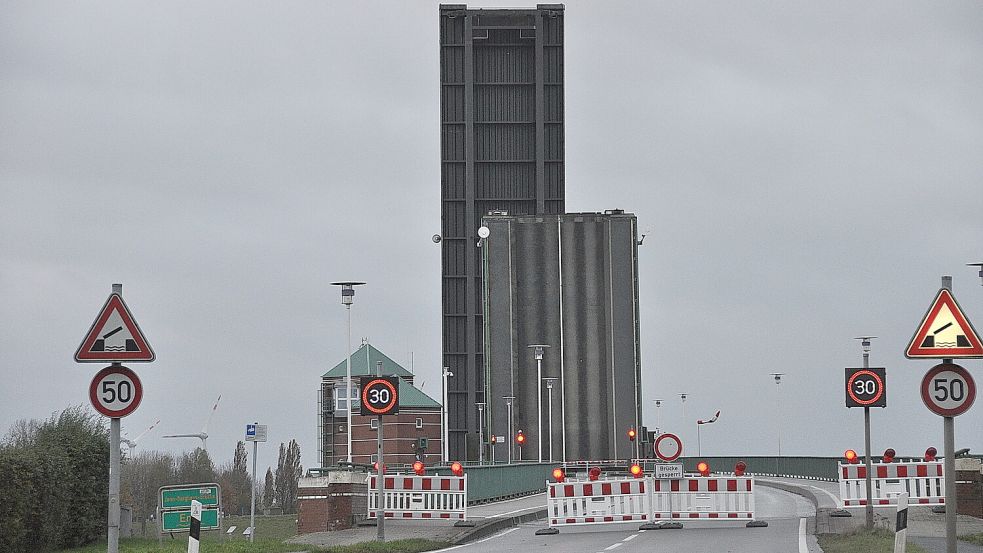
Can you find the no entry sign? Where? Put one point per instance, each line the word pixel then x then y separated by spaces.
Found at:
pixel 668 447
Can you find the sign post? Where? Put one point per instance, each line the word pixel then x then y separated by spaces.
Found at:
pixel 380 396
pixel 947 389
pixel 255 433
pixel 867 387
pixel 115 391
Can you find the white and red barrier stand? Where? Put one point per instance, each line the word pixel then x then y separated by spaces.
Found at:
pixel 409 497
pixel 923 481
pixel 598 502
pixel 704 497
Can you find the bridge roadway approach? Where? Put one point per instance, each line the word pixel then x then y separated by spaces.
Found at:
pixel 787 515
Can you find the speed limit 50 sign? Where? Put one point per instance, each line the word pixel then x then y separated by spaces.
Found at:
pixel 948 390
pixel 380 395
pixel 115 391
pixel 866 387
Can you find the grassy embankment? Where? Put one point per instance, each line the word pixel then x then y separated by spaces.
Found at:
pixel 877 541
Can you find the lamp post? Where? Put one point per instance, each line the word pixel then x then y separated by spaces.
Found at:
pixel 682 398
pixel 778 384
pixel 481 433
pixel 508 439
pixel 549 394
pixel 445 374
pixel 347 297
pixel 865 345
pixel 658 417
pixel 538 354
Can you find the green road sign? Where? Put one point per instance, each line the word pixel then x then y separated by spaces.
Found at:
pixel 179 497
pixel 180 521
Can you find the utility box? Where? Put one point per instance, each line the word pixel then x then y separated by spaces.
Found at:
pixel 969 487
pixel 335 501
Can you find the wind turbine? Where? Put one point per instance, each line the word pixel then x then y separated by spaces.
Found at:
pixel 132 444
pixel 203 435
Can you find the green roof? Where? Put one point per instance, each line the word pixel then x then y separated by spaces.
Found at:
pixel 411 396
pixel 363 364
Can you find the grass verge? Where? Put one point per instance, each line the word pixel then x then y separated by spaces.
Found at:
pixel 973 538
pixel 180 545
pixel 878 540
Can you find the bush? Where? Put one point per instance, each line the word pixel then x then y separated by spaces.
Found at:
pixel 56 482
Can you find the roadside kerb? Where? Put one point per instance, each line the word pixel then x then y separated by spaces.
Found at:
pixel 493 526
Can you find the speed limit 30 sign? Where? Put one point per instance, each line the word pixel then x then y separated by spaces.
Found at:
pixel 948 390
pixel 115 391
pixel 866 387
pixel 380 395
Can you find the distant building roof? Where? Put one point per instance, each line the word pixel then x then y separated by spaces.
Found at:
pixel 411 396
pixel 363 364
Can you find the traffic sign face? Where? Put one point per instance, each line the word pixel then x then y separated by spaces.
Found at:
pixel 180 520
pixel 673 471
pixel 948 390
pixel 255 432
pixel 668 447
pixel 866 387
pixel 945 332
pixel 114 336
pixel 380 395
pixel 115 391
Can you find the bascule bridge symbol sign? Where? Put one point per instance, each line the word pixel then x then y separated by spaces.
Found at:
pixel 114 336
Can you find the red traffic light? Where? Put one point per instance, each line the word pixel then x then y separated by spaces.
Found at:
pixel 375 467
pixel 704 468
pixel 636 470
pixel 631 434
pixel 850 456
pixel 419 468
pixel 930 454
pixel 594 473
pixel 457 469
pixel 558 474
pixel 493 439
pixel 739 468
pixel 520 438
pixel 888 456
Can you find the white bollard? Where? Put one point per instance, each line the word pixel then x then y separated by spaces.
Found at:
pixel 195 530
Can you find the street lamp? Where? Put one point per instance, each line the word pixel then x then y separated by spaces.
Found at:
pixel 347 297
pixel 980 265
pixel 481 432
pixel 778 383
pixel 865 346
pixel 445 373
pixel 549 393
pixel 538 353
pixel 658 417
pixel 682 398
pixel 508 406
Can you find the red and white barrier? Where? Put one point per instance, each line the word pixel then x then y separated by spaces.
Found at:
pixel 923 481
pixel 598 502
pixel 704 497
pixel 420 497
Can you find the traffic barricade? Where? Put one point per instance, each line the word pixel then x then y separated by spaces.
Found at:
pixel 704 497
pixel 420 497
pixel 924 481
pixel 597 502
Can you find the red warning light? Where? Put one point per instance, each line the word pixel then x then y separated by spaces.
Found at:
pixel 631 434
pixel 636 470
pixel 930 454
pixel 375 467
pixel 594 473
pixel 850 456
pixel 520 438
pixel 739 468
pixel 558 474
pixel 419 468
pixel 457 469
pixel 704 468
pixel 888 456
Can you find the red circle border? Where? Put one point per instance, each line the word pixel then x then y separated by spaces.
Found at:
pixel 970 394
pixel 389 407
pixel 880 387
pixel 674 437
pixel 137 392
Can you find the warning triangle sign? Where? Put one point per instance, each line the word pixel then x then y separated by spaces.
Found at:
pixel 114 336
pixel 945 332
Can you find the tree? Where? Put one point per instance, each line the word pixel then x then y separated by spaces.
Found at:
pixel 269 489
pixel 236 483
pixel 288 473
pixel 195 468
pixel 142 477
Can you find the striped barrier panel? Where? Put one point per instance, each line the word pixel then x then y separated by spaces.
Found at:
pixel 704 497
pixel 598 502
pixel 923 481
pixel 420 497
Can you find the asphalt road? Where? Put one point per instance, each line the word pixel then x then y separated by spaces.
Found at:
pixel 786 533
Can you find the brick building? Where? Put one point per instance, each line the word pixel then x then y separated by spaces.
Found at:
pixel 414 431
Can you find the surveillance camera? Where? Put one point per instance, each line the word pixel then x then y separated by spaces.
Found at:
pixel 436 238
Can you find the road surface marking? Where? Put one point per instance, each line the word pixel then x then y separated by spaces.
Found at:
pixel 803 548
pixel 631 537
pixel 615 546
pixel 511 512
pixel 498 535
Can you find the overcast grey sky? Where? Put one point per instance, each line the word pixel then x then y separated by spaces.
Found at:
pixel 806 172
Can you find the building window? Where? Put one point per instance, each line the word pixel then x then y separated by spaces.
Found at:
pixel 419 423
pixel 374 423
pixel 340 403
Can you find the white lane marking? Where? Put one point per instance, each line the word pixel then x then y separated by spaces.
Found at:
pixel 513 512
pixel 615 546
pixel 836 500
pixel 498 535
pixel 803 548
pixel 631 537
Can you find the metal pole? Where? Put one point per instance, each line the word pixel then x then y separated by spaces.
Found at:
pixel 549 392
pixel 348 384
pixel 114 484
pixel 870 506
pixel 443 415
pixel 699 442
pixel 481 433
pixel 539 406
pixel 252 497
pixel 380 507
pixel 949 469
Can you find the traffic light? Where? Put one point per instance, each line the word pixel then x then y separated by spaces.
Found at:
pixel 520 438
pixel 889 454
pixel 558 474
pixel 636 470
pixel 493 439
pixel 631 434
pixel 419 468
pixel 739 468
pixel 930 454
pixel 851 456
pixel 457 469
pixel 704 468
